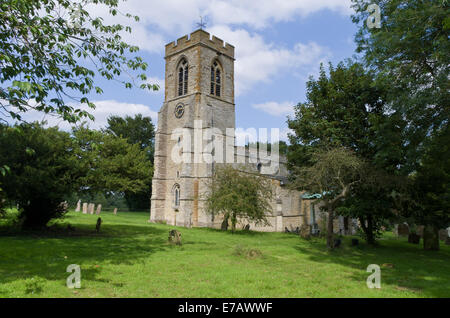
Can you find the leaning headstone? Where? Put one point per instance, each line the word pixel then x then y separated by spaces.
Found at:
pixel 85 208
pixel 99 223
pixel 443 234
pixel 91 208
pixel 403 230
pixel 99 209
pixel 414 238
pixel 77 209
pixel 115 211
pixel 305 231
pixel 175 237
pixel 337 242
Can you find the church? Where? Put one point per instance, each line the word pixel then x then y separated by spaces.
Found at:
pixel 199 97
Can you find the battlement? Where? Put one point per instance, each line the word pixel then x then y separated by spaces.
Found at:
pixel 202 37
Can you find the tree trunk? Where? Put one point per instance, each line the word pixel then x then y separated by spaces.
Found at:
pixel 369 234
pixel 233 222
pixel 224 225
pixel 368 229
pixel 430 238
pixel 330 232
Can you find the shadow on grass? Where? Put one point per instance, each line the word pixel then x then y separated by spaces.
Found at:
pixel 47 254
pixel 404 266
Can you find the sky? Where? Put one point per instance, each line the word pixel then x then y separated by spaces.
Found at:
pixel 278 45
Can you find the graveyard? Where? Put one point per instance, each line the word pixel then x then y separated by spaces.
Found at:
pixel 130 257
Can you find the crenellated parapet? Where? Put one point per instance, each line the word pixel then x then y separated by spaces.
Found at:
pixel 199 37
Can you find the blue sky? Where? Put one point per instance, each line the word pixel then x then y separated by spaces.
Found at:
pixel 278 44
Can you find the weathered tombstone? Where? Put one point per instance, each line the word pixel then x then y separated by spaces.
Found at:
pixel 337 242
pixel 99 223
pixel 77 209
pixel 175 237
pixel 91 208
pixel 305 231
pixel 420 230
pixel 224 225
pixel 403 230
pixel 414 238
pixel 85 208
pixel 443 234
pixel 99 209
pixel 115 211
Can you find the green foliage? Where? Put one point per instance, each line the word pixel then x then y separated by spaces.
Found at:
pixel 238 195
pixel 410 54
pixel 45 49
pixel 111 163
pixel 137 130
pixel 141 131
pixel 43 170
pixel 348 108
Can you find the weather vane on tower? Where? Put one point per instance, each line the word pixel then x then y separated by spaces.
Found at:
pixel 201 24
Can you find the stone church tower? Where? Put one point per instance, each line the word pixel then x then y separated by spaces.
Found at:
pixel 199 88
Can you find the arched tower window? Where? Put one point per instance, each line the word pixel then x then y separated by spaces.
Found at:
pixel 216 79
pixel 176 195
pixel 183 75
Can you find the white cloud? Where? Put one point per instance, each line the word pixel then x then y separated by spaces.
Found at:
pixel 161 21
pixel 103 110
pixel 174 16
pixel 275 108
pixel 258 61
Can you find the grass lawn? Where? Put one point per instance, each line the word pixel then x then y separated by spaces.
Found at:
pixel 131 258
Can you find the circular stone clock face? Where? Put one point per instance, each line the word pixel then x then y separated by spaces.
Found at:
pixel 179 110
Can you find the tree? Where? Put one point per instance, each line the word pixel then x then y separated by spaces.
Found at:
pixel 111 163
pixel 346 108
pixel 137 130
pixel 410 53
pixel 238 195
pixel 333 174
pixel 46 47
pixel 42 171
pixel 429 193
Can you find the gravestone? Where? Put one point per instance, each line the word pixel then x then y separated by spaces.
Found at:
pixel 91 208
pixel 403 229
pixel 305 231
pixel 337 243
pixel 115 211
pixel 85 208
pixel 414 238
pixel 99 223
pixel 175 237
pixel 99 209
pixel 443 234
pixel 77 209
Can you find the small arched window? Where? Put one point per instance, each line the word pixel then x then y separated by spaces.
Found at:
pixel 183 76
pixel 215 79
pixel 176 195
